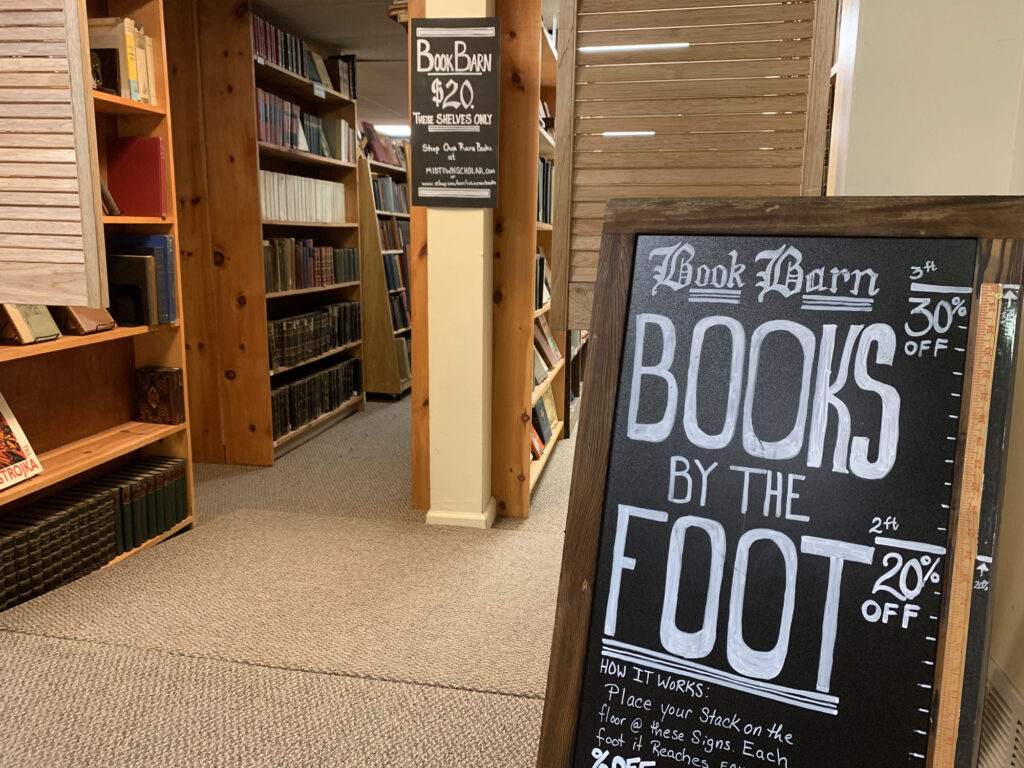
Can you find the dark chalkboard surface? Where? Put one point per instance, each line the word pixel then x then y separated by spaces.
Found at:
pixel 787 408
pixel 769 579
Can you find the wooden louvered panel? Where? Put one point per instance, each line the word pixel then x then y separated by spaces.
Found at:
pixel 729 33
pixel 728 113
pixel 50 239
pixel 700 17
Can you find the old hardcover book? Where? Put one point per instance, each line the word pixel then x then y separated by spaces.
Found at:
pixel 541 423
pixel 17 459
pixel 541 344
pixel 540 371
pixel 536 444
pixel 27 323
pixel 135 174
pixel 542 321
pixel 133 293
pixel 549 406
pixel 160 393
pixel 79 321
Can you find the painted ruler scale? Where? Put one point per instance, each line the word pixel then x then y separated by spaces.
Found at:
pixel 967 520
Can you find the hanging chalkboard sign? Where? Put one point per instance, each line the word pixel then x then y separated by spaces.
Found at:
pixel 455 65
pixel 777 500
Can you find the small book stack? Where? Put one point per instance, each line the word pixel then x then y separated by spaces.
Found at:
pixel 541 281
pixel 400 319
pixel 544 190
pixel 382 148
pixel 79 530
pixel 285 197
pixel 294 340
pixel 142 273
pixel 394 234
pixel 296 404
pixel 396 270
pixel 290 264
pixel 389 195
pixel 121 56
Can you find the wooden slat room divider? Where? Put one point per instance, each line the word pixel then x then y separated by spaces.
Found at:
pixel 51 243
pixel 681 98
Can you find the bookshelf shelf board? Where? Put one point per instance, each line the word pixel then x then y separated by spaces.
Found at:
pixel 82 455
pixel 394 170
pixel 333 224
pixel 292 439
pixel 546 143
pixel 324 356
pixel 109 104
pixel 400 331
pixel 177 528
pixel 548 61
pixel 280 79
pixel 8 353
pixel 396 214
pixel 318 289
pixel 542 311
pixel 542 227
pixel 537 465
pixel 396 290
pixel 299 156
pixel 162 221
pixel 538 391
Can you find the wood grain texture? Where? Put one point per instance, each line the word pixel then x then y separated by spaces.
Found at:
pixel 817 99
pixel 564 150
pixel 726 33
pixel 515 243
pixel 228 91
pixel 195 248
pixel 586 506
pixel 694 17
pixel 418 287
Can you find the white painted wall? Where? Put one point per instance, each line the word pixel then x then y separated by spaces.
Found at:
pixel 930 101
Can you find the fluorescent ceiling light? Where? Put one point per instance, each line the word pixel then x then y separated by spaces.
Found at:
pixel 648 47
pixel 628 133
pixel 398 131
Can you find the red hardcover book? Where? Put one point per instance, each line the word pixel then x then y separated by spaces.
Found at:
pixel 135 174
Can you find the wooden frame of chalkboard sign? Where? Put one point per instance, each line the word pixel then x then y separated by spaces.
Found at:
pixel 697 688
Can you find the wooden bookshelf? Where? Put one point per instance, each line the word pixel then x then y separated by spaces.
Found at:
pixel 381 369
pixel 75 397
pixel 514 473
pixel 228 303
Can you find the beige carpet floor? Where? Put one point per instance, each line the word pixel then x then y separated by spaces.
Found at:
pixel 310 619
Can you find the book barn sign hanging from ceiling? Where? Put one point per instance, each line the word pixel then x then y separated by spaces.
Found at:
pixel 778 542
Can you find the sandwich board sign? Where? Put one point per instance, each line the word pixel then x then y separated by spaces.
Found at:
pixel 782 519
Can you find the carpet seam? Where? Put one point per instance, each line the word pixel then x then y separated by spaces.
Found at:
pixel 278 667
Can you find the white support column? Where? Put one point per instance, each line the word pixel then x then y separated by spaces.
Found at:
pixel 459 282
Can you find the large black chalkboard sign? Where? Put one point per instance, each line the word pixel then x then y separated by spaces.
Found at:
pixel 755 566
pixel 455 65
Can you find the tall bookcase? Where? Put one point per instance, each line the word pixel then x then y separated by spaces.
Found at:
pixel 528 76
pixel 227 302
pixel 382 369
pixel 75 397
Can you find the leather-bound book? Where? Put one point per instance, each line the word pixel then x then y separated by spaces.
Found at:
pixel 79 321
pixel 161 394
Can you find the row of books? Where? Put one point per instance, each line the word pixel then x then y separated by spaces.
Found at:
pixel 285 124
pixel 284 197
pixel 121 59
pixel 396 270
pixel 296 404
pixel 389 195
pixel 142 277
pixel 543 422
pixel 546 353
pixel 382 148
pixel 399 304
pixel 290 264
pixel 291 52
pixel 81 529
pixel 403 351
pixel 545 190
pixel 394 234
pixel 295 339
pixel 541 281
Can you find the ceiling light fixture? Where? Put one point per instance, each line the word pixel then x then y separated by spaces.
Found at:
pixel 398 131
pixel 647 47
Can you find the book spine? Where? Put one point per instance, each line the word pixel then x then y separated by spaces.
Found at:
pixel 130 55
